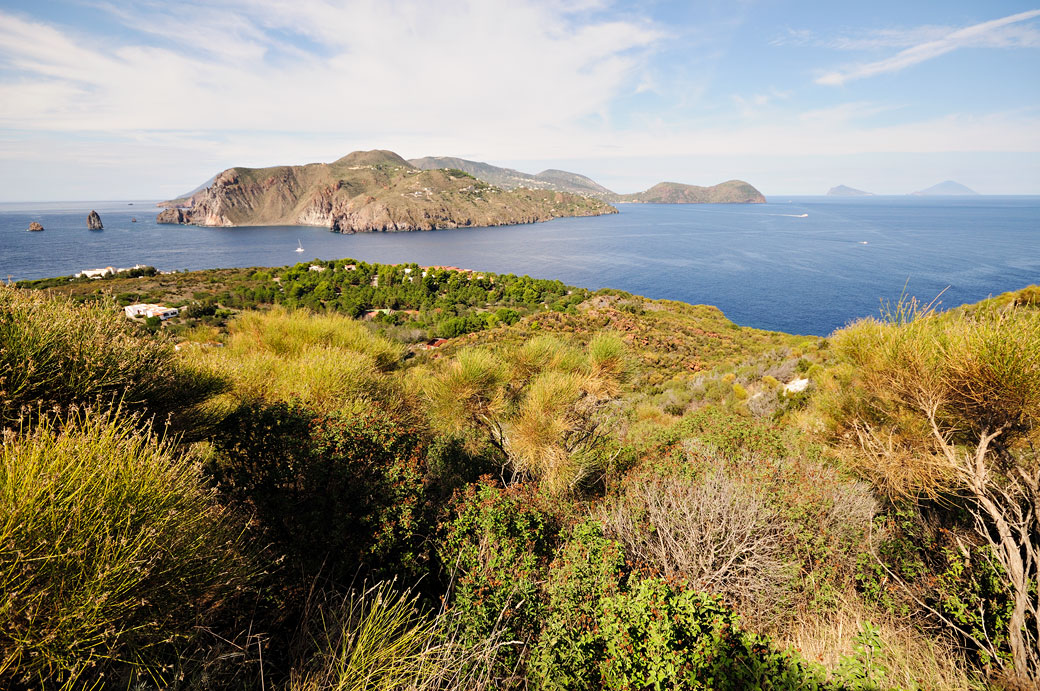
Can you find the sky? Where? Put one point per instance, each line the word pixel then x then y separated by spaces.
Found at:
pixel 145 99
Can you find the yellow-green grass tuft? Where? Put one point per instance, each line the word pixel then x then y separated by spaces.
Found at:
pixel 111 553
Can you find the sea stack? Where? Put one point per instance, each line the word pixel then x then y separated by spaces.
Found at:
pixel 35 227
pixel 94 221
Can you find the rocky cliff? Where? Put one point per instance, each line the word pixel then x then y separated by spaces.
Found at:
pixel 730 192
pixel 94 221
pixel 369 191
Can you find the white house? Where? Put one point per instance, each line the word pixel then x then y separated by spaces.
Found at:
pixel 143 310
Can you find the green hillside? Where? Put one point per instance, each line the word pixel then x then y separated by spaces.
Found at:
pixel 731 192
pixel 507 178
pixel 292 485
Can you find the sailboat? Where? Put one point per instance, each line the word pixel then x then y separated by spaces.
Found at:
pixel 299 245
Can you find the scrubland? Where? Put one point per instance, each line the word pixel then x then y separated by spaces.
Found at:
pixel 604 492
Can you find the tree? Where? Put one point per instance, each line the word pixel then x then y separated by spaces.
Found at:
pixel 947 405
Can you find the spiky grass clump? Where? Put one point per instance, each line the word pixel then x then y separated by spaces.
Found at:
pixel 378 639
pixel 111 553
pixel 55 353
pixel 321 361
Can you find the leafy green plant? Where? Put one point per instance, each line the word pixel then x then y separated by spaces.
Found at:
pixel 498 547
pixel 571 648
pixel 337 492
pixel 662 637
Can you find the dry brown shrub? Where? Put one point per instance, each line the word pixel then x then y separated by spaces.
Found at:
pixel 713 532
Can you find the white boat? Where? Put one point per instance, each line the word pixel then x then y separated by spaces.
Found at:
pixel 299 245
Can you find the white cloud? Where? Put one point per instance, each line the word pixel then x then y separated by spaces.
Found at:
pixel 985 33
pixel 316 66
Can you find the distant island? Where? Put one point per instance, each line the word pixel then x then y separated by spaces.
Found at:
pixel 509 179
pixel 369 191
pixel 947 188
pixel 844 191
pixel 730 192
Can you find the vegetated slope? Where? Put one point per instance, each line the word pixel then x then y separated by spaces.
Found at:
pixel 947 188
pixel 621 476
pixel 507 178
pixel 369 191
pixel 845 191
pixel 730 192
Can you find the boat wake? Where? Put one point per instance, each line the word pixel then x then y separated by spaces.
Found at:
pixel 792 215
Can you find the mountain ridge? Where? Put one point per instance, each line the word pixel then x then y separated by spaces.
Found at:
pixel 729 192
pixel 367 191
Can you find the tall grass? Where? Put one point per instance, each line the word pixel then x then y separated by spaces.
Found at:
pixel 111 553
pixel 378 639
pixel 55 353
pixel 321 361
pixel 542 404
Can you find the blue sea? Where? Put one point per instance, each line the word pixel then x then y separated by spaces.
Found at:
pixel 803 265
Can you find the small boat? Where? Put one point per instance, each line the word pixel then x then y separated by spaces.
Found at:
pixel 133 219
pixel 862 242
pixel 299 245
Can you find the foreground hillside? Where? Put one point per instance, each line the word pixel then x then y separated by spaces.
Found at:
pixel 369 191
pixel 576 491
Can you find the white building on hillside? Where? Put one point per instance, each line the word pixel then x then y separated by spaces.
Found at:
pixel 143 310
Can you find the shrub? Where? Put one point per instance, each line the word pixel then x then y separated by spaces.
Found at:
pixel 660 637
pixel 571 648
pixel 55 354
pixel 111 554
pixel 498 546
pixel 948 405
pixel 711 532
pixel 338 492
pixel 542 405
pixel 321 361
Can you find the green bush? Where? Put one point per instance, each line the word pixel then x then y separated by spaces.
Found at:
pixel 498 547
pixel 571 648
pixel 338 493
pixel 660 637
pixel 112 555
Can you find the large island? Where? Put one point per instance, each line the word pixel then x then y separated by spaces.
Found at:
pixel 369 191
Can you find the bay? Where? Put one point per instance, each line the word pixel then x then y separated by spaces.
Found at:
pixel 800 264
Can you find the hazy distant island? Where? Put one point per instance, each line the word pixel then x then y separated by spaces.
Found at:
pixel 730 192
pixel 946 189
pixel 509 179
pixel 845 191
pixel 369 191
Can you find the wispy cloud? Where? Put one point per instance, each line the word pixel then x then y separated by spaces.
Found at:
pixel 960 38
pixel 478 66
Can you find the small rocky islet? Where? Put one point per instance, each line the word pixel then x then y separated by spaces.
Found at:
pixel 94 221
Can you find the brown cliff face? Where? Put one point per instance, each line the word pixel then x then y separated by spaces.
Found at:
pixel 94 221
pixel 366 192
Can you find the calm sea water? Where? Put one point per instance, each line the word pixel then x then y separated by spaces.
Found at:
pixel 802 265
